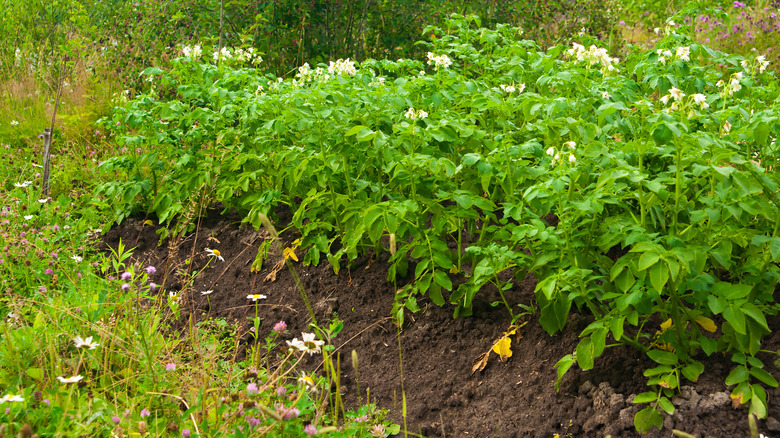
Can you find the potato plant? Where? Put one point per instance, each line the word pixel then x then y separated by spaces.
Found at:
pixel 641 190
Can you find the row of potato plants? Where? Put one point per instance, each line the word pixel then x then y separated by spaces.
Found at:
pixel 658 169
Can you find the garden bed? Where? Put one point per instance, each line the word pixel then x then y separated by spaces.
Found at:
pixel 444 398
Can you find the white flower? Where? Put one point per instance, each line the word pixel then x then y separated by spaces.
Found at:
pixel 572 159
pixel 657 30
pixel 11 398
pixel 676 93
pixel 413 115
pixel 43 201
pixel 684 53
pixel 214 253
pixel 550 151
pixel 605 95
pixel 662 60
pixel 422 73
pixel 193 52
pixel 14 123
pixel 309 344
pixel 23 185
pixel 85 343
pixel 571 144
pixel 28 217
pixel 743 63
pixel 665 99
pixel 700 100
pixel 727 127
pixel 73 379
pixel 342 67
pixel 521 87
pixel 439 61
pixel 720 83
pixel 508 88
pixel 738 75
pixel 256 297
pixel 76 258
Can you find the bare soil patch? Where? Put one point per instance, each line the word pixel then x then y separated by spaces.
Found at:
pixel 512 399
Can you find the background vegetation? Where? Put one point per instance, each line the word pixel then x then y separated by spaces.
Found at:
pixel 469 126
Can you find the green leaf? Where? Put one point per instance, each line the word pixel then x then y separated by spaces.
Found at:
pixel 37 373
pixel 663 357
pixel 737 375
pixel 585 353
pixel 355 130
pixel 693 370
pixel 434 292
pixel 616 327
pixel 563 366
pixel 659 275
pixel 648 418
pixel 758 402
pixel 646 397
pixel 666 405
pixel 647 260
pixel 442 279
pixel 736 318
pixel 761 134
pixel 754 313
pixel 763 376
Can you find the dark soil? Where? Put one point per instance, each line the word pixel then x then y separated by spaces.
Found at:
pixel 511 399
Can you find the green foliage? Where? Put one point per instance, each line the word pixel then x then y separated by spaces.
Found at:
pixel 633 189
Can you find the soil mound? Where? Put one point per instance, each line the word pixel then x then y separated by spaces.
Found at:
pixel 444 398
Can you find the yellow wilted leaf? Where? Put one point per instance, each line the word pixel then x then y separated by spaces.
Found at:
pixel 502 347
pixel 288 253
pixel 666 324
pixel 706 323
pixel 737 399
pixel 148 222
pixel 454 270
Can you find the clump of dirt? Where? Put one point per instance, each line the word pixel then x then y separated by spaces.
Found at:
pixel 444 398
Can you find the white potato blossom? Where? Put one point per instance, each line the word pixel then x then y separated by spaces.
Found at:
pixel 439 61
pixel 307 74
pixel 684 53
pixel 237 55
pixel 762 63
pixel 701 100
pixel 413 114
pixel 193 52
pixel 342 67
pixel 676 93
pixel 593 56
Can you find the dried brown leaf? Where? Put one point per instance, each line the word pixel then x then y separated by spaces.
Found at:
pixel 480 362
